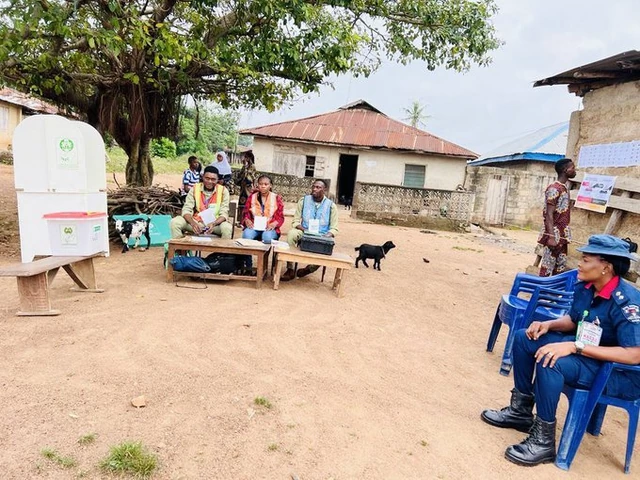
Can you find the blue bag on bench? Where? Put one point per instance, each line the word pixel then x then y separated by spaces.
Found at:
pixel 190 264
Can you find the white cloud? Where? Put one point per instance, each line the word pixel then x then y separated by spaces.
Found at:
pixel 491 105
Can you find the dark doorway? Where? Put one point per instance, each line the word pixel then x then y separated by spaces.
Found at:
pixel 347 169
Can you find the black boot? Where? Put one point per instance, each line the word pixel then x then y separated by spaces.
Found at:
pixel 539 447
pixel 518 415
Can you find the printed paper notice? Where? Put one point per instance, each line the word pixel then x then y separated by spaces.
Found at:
pixel 67 154
pixel 594 192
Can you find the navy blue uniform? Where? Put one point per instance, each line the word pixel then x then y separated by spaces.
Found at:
pixel 619 317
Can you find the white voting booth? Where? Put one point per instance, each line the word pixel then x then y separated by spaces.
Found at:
pixel 59 169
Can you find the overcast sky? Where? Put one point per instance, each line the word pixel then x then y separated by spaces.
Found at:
pixel 489 106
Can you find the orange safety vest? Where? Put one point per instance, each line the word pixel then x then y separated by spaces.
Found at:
pixel 266 210
pixel 215 200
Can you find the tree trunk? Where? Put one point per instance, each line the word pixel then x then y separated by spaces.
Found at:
pixel 139 170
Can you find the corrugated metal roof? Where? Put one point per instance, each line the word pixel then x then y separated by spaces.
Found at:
pixel 360 125
pixel 548 144
pixel 15 97
pixel 621 68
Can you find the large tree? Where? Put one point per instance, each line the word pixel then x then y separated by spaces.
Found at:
pixel 125 64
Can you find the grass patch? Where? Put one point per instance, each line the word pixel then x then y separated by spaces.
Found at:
pixel 130 457
pixel 262 402
pixel 117 162
pixel 274 447
pixel 466 249
pixel 63 461
pixel 87 439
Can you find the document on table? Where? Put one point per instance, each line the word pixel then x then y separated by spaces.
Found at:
pixel 246 242
pixel 208 216
pixel 203 239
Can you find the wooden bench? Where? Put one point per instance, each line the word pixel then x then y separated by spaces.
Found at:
pixel 35 278
pixel 340 261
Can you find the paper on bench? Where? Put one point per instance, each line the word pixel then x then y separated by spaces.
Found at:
pixel 246 242
pixel 280 245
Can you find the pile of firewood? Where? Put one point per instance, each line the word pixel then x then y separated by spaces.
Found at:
pixel 154 200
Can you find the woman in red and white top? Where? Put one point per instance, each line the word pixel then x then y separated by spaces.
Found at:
pixel 263 213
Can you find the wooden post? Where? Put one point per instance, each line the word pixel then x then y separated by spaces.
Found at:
pixel 616 216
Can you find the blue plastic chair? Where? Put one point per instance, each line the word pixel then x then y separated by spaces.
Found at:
pixel 586 413
pixel 554 300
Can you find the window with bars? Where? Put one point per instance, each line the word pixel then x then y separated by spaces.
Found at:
pixel 310 167
pixel 414 176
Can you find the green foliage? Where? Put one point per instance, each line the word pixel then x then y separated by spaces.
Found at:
pixel 163 148
pixel 130 457
pixel 54 456
pixel 262 402
pixel 415 114
pixel 87 439
pixel 208 128
pixel 128 64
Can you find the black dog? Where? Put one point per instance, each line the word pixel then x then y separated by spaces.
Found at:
pixel 377 252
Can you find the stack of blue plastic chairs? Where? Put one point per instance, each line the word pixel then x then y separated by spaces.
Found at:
pixel 549 298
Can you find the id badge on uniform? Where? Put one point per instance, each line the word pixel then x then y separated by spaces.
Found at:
pixel 589 333
pixel 314 225
pixel 259 223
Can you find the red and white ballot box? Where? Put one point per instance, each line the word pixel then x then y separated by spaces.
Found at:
pixel 77 233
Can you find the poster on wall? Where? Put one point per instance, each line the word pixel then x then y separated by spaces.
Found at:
pixel 623 154
pixel 594 192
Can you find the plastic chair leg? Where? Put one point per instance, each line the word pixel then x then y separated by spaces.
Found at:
pixel 631 437
pixel 507 362
pixel 495 330
pixel 595 423
pixel 572 432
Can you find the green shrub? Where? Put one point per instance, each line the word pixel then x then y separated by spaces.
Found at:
pixel 163 148
pixel 132 458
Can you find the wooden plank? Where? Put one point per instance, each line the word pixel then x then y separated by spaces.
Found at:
pixel 622 183
pixel 295 255
pixel 83 274
pixel 621 203
pixel 34 296
pixel 616 216
pixel 39 266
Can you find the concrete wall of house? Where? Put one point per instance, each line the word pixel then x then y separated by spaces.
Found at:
pixel 609 115
pixel 525 194
pixel 10 117
pixel 375 166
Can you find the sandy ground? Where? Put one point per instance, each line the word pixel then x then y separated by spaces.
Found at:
pixel 385 383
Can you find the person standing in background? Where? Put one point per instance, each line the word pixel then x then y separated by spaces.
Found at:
pixel 556 233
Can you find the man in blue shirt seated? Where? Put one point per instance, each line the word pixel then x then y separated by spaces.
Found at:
pixel 315 213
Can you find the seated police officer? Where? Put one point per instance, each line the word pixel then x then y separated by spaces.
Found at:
pixel 602 325
pixel 207 195
pixel 317 214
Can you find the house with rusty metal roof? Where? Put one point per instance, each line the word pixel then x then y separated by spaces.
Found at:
pixel 14 106
pixel 358 142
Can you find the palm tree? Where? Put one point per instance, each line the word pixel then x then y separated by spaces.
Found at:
pixel 415 114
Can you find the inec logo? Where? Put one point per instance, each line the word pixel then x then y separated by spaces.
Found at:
pixel 66 145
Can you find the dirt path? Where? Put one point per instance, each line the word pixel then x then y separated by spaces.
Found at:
pixel 386 383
